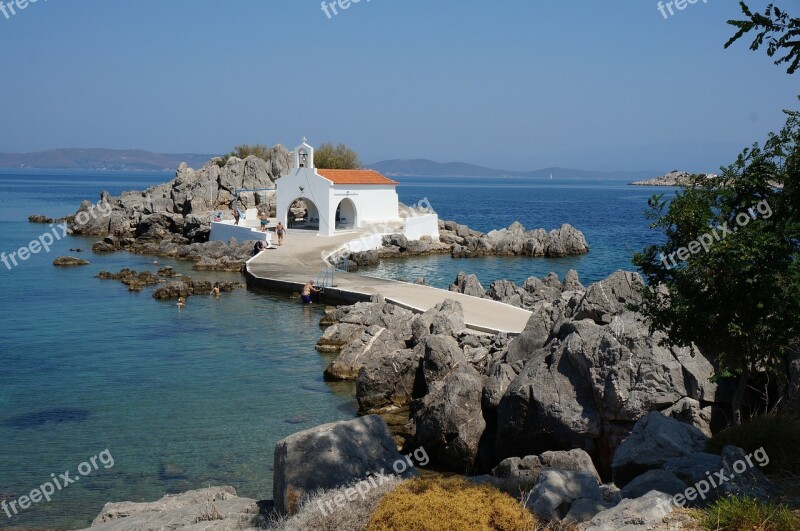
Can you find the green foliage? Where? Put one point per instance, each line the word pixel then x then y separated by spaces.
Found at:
pixel 747 514
pixel 778 435
pixel 780 31
pixel 243 151
pixel 739 300
pixel 341 157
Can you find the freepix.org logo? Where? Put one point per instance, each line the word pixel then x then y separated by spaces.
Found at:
pixel 12 7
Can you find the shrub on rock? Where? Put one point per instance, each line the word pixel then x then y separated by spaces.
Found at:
pixel 429 504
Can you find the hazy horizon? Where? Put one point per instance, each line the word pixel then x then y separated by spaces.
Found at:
pixel 514 86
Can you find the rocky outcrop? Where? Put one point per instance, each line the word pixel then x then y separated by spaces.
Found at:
pixel 363 332
pixel 675 178
pixel 184 206
pixel 68 261
pixel 211 508
pixel 207 256
pixel 332 456
pixel 188 287
pixel 528 468
pixel 462 242
pixel 654 440
pixel 531 295
pixel 513 241
pixel 135 281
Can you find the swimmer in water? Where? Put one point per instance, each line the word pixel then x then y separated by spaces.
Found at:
pixel 181 302
pixel 308 290
pixel 215 289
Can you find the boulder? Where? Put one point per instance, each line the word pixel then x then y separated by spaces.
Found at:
pixel 655 439
pixel 374 342
pixel 331 456
pixel 584 509
pixel 389 380
pixel 468 285
pixel 556 490
pixel 213 508
pixel 508 292
pixel 525 471
pixel 446 318
pixel 449 422
pixel 338 336
pixel 610 297
pixel 689 411
pixel 659 480
pixel 571 281
pixel 648 512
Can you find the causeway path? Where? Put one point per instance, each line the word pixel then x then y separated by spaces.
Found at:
pixel 300 259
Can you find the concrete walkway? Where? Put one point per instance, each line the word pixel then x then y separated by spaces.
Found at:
pixel 300 259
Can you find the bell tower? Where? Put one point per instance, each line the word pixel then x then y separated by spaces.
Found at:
pixel 304 155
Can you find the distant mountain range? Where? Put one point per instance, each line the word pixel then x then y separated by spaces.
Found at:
pixel 101 159
pixel 429 168
pixel 140 160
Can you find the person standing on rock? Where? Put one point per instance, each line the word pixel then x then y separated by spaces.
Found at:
pixel 279 230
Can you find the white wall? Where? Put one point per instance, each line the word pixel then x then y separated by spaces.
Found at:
pixel 375 203
pixel 315 189
pixel 418 226
pixel 223 231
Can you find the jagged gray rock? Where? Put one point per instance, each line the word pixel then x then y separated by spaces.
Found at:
pixel 184 205
pixel 468 285
pixel 449 422
pixel 330 456
pixel 655 439
pixel 660 480
pixel 215 508
pixel 557 489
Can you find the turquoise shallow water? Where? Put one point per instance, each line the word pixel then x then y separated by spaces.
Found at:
pixel 182 399
pixel 197 397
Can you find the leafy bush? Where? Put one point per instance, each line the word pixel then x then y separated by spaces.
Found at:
pixel 779 435
pixel 444 504
pixel 243 151
pixel 340 157
pixel 746 514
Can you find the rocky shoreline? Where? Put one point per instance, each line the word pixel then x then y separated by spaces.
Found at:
pixel 585 413
pixel 459 241
pixel 585 410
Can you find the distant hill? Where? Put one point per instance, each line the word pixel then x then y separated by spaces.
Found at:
pixel 101 159
pixel 429 168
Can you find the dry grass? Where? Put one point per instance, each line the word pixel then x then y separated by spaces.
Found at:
pixel 449 504
pixel 354 516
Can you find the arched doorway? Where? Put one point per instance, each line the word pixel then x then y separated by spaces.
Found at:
pixel 346 215
pixel 302 214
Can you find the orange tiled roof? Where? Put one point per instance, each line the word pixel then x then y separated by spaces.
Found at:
pixel 355 177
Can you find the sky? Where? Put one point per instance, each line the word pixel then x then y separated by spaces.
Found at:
pixel 509 84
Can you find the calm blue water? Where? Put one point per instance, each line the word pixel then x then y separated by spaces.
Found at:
pixel 197 397
pixel 608 212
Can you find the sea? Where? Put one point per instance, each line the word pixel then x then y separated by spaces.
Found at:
pixel 133 398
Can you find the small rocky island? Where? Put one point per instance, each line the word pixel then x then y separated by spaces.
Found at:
pixel 675 178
